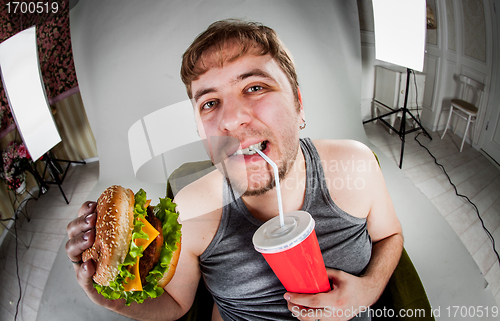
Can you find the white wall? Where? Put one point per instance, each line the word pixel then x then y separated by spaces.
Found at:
pixel 127 57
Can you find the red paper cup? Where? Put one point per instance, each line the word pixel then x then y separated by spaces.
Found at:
pixel 293 252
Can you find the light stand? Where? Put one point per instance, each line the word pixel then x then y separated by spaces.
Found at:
pixel 400 28
pixel 402 129
pixel 56 172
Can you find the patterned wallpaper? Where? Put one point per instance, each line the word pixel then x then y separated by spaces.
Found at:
pixel 54 46
pixel 474 29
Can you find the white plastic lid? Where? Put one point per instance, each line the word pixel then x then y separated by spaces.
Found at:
pixel 272 238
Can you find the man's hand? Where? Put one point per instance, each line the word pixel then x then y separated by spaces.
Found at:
pixel 350 296
pixel 81 233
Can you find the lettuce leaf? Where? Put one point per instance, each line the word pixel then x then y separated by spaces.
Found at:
pixel 166 213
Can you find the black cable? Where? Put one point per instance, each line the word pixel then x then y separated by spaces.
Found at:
pixel 490 236
pixel 463 196
pixel 17 271
pixel 17 263
pixel 416 93
pixel 15 231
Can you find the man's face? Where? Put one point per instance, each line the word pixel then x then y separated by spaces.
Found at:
pixel 247 102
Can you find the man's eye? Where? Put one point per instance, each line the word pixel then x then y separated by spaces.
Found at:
pixel 254 88
pixel 208 105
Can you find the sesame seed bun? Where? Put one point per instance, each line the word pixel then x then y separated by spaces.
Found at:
pixel 114 225
pixel 171 268
pixel 113 235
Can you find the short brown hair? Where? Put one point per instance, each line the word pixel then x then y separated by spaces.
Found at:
pixel 248 35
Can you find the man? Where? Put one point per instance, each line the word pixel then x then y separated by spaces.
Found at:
pixel 245 94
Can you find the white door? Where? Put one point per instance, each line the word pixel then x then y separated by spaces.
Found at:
pixel 491 131
pixel 491 144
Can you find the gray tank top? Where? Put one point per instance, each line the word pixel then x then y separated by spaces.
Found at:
pixel 241 282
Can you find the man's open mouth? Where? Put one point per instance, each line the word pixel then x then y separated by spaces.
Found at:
pixel 251 150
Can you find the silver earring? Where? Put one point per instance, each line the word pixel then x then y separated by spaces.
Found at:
pixel 303 125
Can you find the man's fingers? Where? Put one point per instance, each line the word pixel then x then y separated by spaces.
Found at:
pixel 87 208
pixel 85 221
pixel 336 277
pixel 76 245
pixel 81 224
pixel 84 275
pixel 308 300
pixel 81 232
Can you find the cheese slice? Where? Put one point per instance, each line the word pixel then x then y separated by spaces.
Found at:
pixel 150 231
pixel 135 284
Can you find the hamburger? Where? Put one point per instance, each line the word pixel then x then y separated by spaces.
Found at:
pixel 136 247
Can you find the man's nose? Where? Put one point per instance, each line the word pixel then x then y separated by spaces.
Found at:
pixel 234 115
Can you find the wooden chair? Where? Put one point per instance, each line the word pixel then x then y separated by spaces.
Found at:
pixel 466 106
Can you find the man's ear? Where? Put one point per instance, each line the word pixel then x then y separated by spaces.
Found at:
pixel 299 98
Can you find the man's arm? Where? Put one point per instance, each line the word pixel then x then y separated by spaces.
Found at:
pixel 171 305
pixel 352 293
pixel 386 233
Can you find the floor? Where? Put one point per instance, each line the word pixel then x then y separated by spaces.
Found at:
pixel 44 233
pixel 474 175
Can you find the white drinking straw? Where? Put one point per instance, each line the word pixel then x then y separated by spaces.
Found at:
pixel 278 189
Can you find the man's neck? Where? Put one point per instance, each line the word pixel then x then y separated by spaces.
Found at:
pixel 265 206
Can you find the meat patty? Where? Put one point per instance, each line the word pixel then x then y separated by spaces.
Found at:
pixel 147 261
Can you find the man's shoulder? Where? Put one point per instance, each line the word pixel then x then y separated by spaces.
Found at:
pixel 331 149
pixel 201 197
pixel 351 173
pixel 200 211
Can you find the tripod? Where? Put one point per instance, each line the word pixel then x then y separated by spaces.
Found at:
pixel 56 172
pixel 402 129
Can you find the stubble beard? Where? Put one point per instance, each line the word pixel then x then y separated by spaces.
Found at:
pixel 284 166
pixel 282 171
